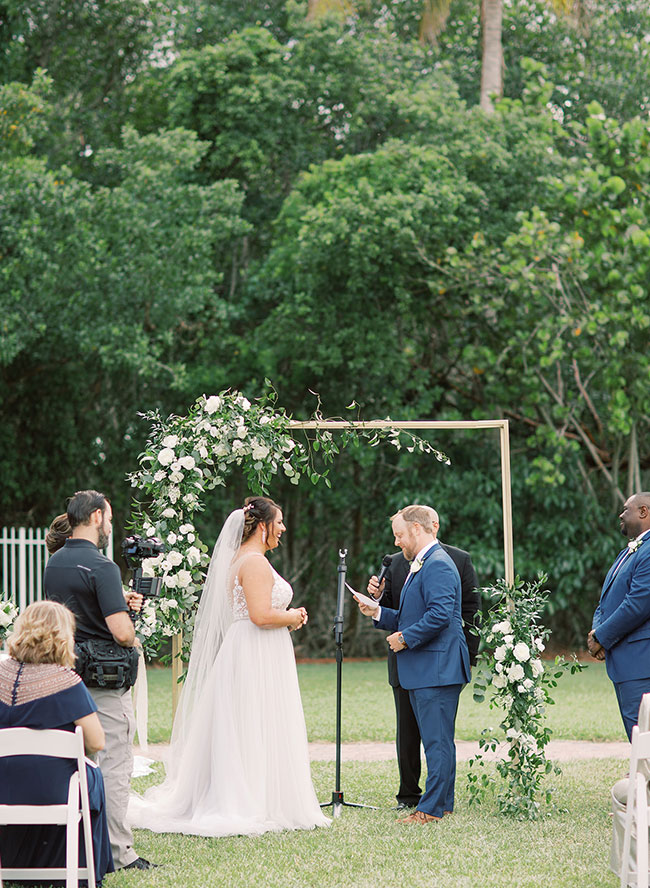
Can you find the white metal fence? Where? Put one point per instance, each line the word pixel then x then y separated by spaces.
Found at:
pixel 23 557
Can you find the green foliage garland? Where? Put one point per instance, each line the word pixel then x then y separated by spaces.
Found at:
pixel 187 455
pixel 511 664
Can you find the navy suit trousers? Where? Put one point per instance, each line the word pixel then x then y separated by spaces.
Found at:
pixel 628 694
pixel 435 710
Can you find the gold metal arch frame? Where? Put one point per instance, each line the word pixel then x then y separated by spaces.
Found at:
pixel 414 425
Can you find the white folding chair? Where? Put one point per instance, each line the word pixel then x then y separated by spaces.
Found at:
pixel 636 815
pixel 59 744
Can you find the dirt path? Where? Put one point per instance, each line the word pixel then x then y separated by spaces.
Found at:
pixel 557 750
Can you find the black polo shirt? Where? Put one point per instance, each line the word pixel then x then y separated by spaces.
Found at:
pixel 88 583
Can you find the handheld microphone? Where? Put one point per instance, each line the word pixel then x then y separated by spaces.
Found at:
pixel 385 564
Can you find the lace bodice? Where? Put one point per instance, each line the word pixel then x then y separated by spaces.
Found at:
pixel 281 595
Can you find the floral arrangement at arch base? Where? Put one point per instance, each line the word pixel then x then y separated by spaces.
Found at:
pixel 8 614
pixel 520 684
pixel 186 456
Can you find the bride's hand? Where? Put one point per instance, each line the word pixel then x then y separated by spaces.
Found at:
pixel 298 618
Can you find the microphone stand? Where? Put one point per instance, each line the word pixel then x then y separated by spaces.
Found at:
pixel 338 800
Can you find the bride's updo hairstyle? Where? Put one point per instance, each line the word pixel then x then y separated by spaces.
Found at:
pixel 258 510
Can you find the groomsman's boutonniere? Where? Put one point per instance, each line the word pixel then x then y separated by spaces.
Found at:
pixel 633 545
pixel 416 565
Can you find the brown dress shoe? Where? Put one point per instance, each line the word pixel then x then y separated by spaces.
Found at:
pixel 419 817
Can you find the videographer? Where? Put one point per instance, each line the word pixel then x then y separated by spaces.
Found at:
pixel 90 585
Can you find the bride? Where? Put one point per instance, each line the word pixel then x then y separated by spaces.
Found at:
pixel 239 762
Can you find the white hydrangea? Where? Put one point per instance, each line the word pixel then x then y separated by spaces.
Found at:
pixel 166 456
pixel 173 494
pixel 160 475
pixel 212 404
pixel 521 652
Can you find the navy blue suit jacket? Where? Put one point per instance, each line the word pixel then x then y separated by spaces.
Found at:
pixel 622 618
pixel 429 618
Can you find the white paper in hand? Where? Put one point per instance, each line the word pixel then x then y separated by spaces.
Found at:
pixel 364 599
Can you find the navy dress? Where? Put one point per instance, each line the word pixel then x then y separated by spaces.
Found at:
pixel 46 696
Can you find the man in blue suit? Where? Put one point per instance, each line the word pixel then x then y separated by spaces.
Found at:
pixel 432 655
pixel 620 632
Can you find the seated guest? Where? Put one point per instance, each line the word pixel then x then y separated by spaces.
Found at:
pixel 38 689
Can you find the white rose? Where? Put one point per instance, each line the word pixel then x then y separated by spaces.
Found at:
pixel 508 639
pixel 166 456
pixel 5 619
pixel 264 420
pixel 168 631
pixel 512 734
pixel 499 681
pixel 173 494
pixel 190 499
pixel 190 538
pixel 537 667
pixel 171 539
pixel 214 431
pixel 237 445
pixel 149 529
pixel 289 445
pixel 212 404
pixel 507 701
pixel 203 452
pixel 175 558
pixel 184 578
pixel 500 652
pixel 260 451
pixel 170 441
pixel 193 555
pixel 188 462
pixel 516 672
pixel 539 644
pixel 185 528
pixel 221 450
pixel 539 694
pixel 245 403
pixel 170 581
pixel 242 431
pixel 176 477
pixel 498 667
pixel 169 513
pixel 528 683
pixel 521 652
pixel 160 475
pixel 503 627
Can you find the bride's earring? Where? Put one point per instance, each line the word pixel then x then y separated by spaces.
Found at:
pixel 264 535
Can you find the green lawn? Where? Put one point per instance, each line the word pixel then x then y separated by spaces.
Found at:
pixel 475 848
pixel 367 849
pixel 585 706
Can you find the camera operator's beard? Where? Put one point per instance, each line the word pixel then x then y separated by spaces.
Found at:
pixel 102 539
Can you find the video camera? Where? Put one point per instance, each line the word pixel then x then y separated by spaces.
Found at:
pixel 135 550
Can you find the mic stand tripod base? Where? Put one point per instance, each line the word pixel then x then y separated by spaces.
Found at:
pixel 338 802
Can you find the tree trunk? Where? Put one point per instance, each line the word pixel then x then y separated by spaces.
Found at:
pixel 492 65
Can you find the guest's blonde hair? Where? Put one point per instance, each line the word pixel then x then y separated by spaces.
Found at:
pixel 425 516
pixel 43 633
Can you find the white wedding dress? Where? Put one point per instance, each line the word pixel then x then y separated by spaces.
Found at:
pixel 242 765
